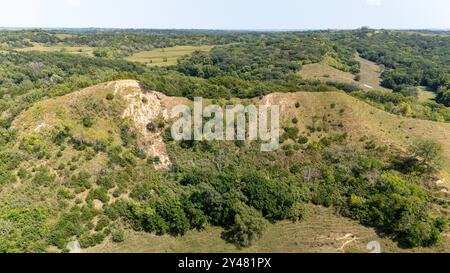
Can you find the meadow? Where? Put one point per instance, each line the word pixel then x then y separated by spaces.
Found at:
pixel 82 49
pixel 165 56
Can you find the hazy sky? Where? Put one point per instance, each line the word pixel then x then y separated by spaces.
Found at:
pixel 226 14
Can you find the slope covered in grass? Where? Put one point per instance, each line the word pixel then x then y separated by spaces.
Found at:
pixel 95 164
pixel 359 119
pixel 369 77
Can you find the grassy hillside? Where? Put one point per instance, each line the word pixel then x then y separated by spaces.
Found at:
pixel 369 77
pixel 370 74
pixel 86 153
pixel 360 119
pixel 101 156
pixel 94 116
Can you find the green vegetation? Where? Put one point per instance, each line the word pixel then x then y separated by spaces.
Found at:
pixel 165 56
pixel 410 59
pixel 74 167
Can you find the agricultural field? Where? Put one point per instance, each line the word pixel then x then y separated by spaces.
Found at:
pixel 165 56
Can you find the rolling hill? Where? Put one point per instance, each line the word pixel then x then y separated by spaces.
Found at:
pixel 106 114
pixel 369 76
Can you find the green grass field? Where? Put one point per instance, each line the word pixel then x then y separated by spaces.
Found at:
pixel 165 56
pixel 425 95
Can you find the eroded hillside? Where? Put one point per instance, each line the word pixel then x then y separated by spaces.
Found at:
pixel 102 156
pixel 107 106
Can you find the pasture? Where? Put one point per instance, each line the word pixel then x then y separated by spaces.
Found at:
pixel 165 56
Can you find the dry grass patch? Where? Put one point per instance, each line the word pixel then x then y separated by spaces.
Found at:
pixel 165 56
pixel 84 50
pixel 369 76
pixel 324 72
pixel 425 95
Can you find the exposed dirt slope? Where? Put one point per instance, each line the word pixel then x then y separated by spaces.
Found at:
pixel 130 102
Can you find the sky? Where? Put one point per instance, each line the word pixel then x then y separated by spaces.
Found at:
pixel 227 14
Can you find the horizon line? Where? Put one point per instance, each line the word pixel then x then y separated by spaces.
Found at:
pixel 223 29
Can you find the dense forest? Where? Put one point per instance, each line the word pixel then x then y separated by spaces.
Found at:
pixel 241 191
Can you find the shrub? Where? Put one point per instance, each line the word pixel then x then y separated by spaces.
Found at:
pixel 295 169
pixel 118 209
pixel 171 211
pixel 110 96
pixel 90 240
pixel 248 226
pixel 292 132
pixel 43 177
pixel 80 182
pixel 99 194
pixel 151 127
pixel 106 181
pixel 118 235
pixel 6 177
pixel 194 177
pixel 87 122
pixel 399 208
pixel 22 173
pixel 429 151
pixel 102 223
pixel 22 229
pixel 273 199
pixel 154 160
pixel 61 136
pixel 303 140
pixel 69 224
pixel 195 214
